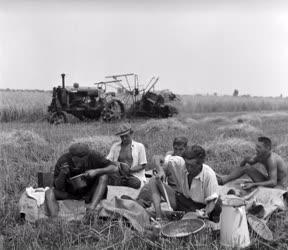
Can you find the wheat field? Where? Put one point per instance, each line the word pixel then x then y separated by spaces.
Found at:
pixel 31 106
pixel 28 147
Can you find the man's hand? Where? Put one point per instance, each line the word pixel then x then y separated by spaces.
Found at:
pixel 158 160
pixel 248 185
pixel 124 168
pixel 244 161
pixel 64 169
pixel 90 173
pixel 161 175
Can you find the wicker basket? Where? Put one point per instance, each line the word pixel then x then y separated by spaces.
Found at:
pixel 182 228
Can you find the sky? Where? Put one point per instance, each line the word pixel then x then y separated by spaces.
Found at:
pixel 195 47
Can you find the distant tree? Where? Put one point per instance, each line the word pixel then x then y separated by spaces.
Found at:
pixel 236 92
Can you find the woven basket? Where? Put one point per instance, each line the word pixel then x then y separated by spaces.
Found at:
pixel 259 226
pixel 182 228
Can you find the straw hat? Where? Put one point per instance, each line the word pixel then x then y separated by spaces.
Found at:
pixel 124 129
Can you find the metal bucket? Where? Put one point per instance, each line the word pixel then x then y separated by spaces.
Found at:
pixel 233 223
pixel 78 182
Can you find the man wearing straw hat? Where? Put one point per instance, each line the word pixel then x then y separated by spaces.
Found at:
pixel 132 158
pixel 91 165
pixel 196 185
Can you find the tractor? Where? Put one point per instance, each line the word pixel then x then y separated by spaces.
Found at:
pixel 85 103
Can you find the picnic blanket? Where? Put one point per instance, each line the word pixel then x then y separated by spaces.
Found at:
pixel 266 200
pixel 129 209
pixel 34 207
pixel 261 201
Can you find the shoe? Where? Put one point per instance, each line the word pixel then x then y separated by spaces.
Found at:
pixel 126 197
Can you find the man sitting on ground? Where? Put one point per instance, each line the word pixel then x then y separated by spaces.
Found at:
pixel 196 185
pixel 179 145
pixel 132 156
pixel 80 160
pixel 277 169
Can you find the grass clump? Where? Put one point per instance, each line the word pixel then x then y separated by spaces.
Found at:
pixel 215 120
pixel 161 125
pixel 190 121
pixel 226 153
pixel 274 115
pixel 251 119
pixel 23 153
pixel 24 145
pixel 239 130
pixel 282 149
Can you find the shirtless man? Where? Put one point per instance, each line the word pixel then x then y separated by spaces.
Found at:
pixel 277 169
pixel 132 158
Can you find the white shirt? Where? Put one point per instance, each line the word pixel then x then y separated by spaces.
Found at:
pixel 138 156
pixel 204 186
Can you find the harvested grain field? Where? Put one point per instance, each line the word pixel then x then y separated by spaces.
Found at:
pixel 29 147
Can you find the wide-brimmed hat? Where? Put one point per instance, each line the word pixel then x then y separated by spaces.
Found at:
pixel 124 129
pixel 79 149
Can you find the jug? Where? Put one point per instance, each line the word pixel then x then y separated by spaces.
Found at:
pixel 233 223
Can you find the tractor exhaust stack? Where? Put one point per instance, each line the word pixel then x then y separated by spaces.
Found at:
pixel 63 80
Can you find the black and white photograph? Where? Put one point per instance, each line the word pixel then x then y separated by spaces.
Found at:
pixel 129 124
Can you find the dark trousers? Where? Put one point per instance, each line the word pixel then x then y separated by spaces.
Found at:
pixel 124 180
pixel 188 205
pixel 85 194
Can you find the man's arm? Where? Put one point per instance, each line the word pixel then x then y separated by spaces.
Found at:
pixel 60 174
pixel 137 168
pixel 110 169
pixel 158 161
pixel 272 177
pixel 249 160
pixel 210 193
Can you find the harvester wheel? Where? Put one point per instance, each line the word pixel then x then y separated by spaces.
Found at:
pixel 58 117
pixel 113 111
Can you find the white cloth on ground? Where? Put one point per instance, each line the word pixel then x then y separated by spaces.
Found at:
pixel 37 194
pixel 270 198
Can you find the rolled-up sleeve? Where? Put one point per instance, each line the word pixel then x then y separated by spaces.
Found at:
pixel 142 155
pixel 211 187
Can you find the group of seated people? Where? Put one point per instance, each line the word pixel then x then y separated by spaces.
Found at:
pixel 181 174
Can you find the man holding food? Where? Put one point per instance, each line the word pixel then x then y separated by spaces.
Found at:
pixel 131 156
pixel 80 174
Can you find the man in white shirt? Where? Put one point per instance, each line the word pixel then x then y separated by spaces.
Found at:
pixel 132 158
pixel 179 145
pixel 196 185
